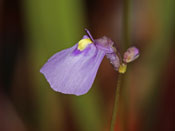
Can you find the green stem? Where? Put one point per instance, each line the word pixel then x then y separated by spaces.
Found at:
pixel 116 103
pixel 126 42
pixel 126 29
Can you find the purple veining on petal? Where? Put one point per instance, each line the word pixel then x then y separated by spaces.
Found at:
pixel 70 72
pixel 85 51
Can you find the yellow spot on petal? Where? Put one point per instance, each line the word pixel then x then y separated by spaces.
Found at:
pixel 122 68
pixel 82 44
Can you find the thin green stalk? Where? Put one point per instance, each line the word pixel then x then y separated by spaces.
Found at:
pixel 126 27
pixel 126 42
pixel 116 103
pixel 126 39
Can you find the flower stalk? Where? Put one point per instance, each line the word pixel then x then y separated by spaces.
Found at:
pixel 116 103
pixel 128 56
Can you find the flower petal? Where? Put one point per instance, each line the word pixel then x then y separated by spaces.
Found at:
pixel 72 71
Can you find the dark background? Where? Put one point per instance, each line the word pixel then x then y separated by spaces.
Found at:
pixel 33 30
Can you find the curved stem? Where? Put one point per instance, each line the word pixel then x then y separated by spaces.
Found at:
pixel 116 103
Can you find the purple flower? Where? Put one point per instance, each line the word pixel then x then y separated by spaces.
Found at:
pixel 73 70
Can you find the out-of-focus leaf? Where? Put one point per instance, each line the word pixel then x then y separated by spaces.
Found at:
pixel 54 25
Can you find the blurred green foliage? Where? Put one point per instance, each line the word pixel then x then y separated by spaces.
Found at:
pixel 54 25
pixel 58 24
